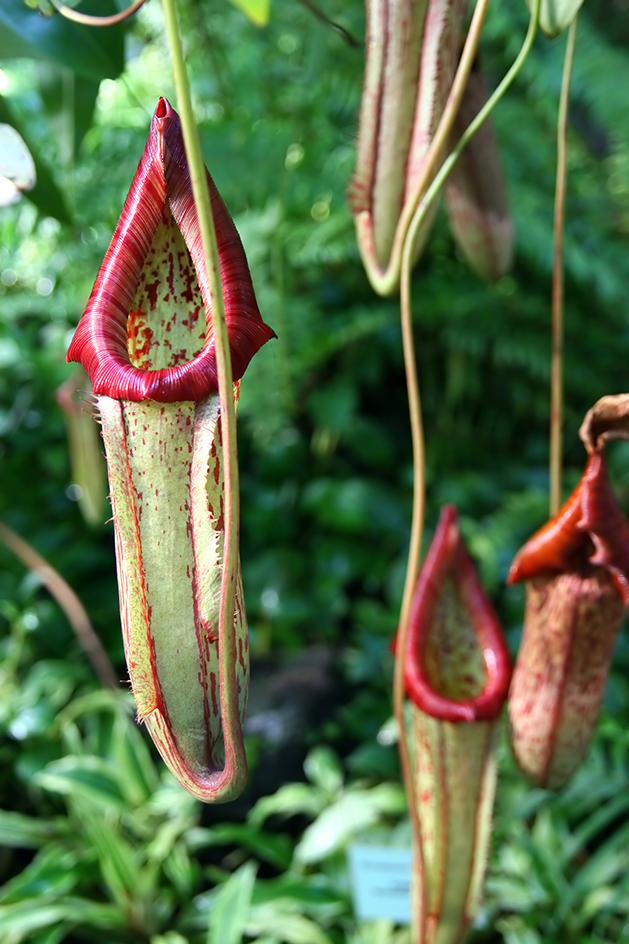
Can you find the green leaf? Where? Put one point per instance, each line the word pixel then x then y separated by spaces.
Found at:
pixel 323 768
pixel 24 917
pixel 257 11
pixel 556 15
pixel 272 848
pixel 230 907
pixel 85 94
pixel 353 813
pixel 516 932
pixel 116 858
pixel 90 778
pixel 24 832
pixel 288 927
pixel 312 895
pixel 289 800
pixel 52 873
pixel 171 937
pixel 135 767
pixel 95 53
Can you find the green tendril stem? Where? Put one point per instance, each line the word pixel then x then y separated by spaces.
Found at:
pixel 417 436
pixel 557 329
pixel 235 770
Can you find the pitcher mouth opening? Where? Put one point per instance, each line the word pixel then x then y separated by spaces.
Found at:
pixel 472 681
pixel 144 269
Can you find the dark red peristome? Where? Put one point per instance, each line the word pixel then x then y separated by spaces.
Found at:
pixel 591 516
pixel 100 341
pixel 447 557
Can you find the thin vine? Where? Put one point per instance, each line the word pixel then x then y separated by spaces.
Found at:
pixel 235 770
pixel 557 329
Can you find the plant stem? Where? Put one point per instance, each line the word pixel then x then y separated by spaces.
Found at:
pixel 235 770
pixel 417 437
pixel 67 600
pixel 86 19
pixel 412 567
pixel 556 368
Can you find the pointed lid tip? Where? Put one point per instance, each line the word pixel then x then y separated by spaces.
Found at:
pixel 163 108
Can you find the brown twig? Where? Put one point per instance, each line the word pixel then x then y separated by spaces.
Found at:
pixel 318 13
pixel 67 600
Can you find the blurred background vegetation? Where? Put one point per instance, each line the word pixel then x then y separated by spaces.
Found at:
pixel 97 842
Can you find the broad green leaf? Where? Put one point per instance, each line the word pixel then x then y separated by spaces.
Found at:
pixel 24 832
pixel 604 866
pixel 50 935
pixel 85 94
pixel 52 873
pixel 171 937
pixel 373 932
pixel 257 11
pixel 136 769
pixel 515 931
pixel 312 895
pixel 119 867
pixel 89 778
pixel 230 907
pixel 272 848
pixel 289 800
pixel 69 100
pixel 287 927
pixel 24 917
pixel 323 768
pixel 556 15
pixel 44 194
pixel 95 53
pixel 353 813
pixel 179 869
pixel 45 7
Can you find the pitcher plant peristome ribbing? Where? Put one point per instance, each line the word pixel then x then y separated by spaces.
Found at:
pixel 457 672
pixel 146 340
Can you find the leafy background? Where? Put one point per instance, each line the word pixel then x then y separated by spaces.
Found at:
pixel 97 842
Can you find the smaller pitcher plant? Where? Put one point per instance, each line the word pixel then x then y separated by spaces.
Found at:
pixel 576 570
pixel 457 671
pixel 146 341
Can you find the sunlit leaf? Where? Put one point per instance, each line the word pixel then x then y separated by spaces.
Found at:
pixel 230 907
pixel 26 916
pixel 290 799
pixel 323 768
pixel 90 778
pixel 257 11
pixel 341 821
pixel 286 927
pixel 25 832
